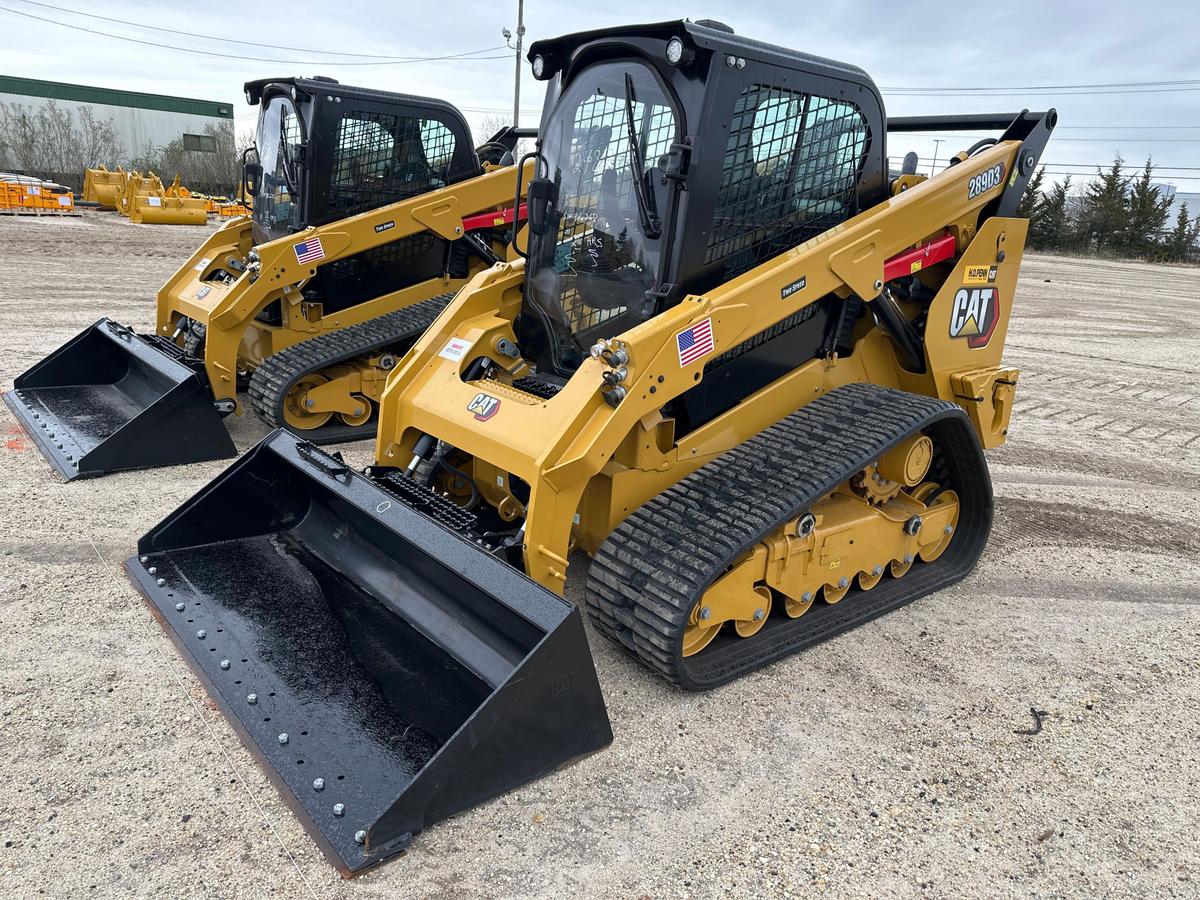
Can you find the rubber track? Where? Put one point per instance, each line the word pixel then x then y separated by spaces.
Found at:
pixel 649 573
pixel 270 382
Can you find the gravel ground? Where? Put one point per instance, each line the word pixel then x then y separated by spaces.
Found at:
pixel 885 763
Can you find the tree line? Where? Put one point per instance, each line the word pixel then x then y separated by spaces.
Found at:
pixel 58 143
pixel 1119 214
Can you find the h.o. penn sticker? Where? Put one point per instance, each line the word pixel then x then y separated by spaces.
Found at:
pixel 455 349
pixel 384 226
pixel 484 406
pixel 974 314
pixel 980 275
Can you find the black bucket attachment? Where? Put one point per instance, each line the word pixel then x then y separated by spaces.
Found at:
pixel 386 671
pixel 109 400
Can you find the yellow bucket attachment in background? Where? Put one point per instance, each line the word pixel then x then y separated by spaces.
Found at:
pixel 154 210
pixel 102 187
pixel 145 202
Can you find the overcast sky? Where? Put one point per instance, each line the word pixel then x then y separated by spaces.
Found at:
pixel 902 43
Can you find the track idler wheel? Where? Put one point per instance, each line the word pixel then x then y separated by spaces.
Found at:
pixel 699 633
pixel 834 593
pixel 868 580
pixel 942 500
pixel 363 416
pixel 296 408
pixel 750 627
pixel 796 608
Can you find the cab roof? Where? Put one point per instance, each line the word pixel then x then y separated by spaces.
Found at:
pixel 703 35
pixel 321 84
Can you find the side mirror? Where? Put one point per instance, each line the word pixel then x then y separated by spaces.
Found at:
pixel 540 195
pixel 252 174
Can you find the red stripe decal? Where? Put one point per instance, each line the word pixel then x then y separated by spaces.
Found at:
pixel 491 219
pixel 910 261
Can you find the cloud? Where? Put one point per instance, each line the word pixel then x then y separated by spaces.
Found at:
pixel 918 43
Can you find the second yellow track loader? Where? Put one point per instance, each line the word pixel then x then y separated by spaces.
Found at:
pixel 370 210
pixel 744 368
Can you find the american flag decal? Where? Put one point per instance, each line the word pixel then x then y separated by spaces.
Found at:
pixel 309 251
pixel 694 343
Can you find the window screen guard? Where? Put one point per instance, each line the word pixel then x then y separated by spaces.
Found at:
pixel 380 158
pixel 790 172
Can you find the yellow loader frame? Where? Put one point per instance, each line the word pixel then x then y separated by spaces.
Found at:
pixel 589 464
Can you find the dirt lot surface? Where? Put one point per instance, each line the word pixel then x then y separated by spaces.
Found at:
pixel 886 763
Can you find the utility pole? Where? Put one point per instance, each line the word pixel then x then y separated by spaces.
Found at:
pixel 520 43
pixel 937 143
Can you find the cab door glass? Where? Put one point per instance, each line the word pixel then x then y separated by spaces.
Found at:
pixel 277 208
pixel 590 272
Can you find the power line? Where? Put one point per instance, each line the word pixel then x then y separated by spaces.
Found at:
pixel 1165 178
pixel 1129 127
pixel 467 56
pixel 531 110
pixel 1106 165
pixel 206 37
pixel 1086 140
pixel 1047 87
pixel 892 92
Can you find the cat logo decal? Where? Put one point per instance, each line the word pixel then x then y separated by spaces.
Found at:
pixel 974 315
pixel 484 406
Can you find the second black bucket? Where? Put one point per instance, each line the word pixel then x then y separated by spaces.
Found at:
pixel 386 672
pixel 109 400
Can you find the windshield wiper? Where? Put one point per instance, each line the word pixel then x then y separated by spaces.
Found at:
pixel 289 172
pixel 647 207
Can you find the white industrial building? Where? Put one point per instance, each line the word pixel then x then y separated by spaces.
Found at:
pixel 142 121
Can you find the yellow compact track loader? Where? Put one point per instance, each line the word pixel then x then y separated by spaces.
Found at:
pixel 744 368
pixel 370 210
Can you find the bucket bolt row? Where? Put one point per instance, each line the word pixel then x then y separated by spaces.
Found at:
pixel 318 784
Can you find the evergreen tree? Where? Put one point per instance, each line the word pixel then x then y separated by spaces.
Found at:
pixel 1033 200
pixel 1050 228
pixel 1146 217
pixel 1103 217
pixel 1180 243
